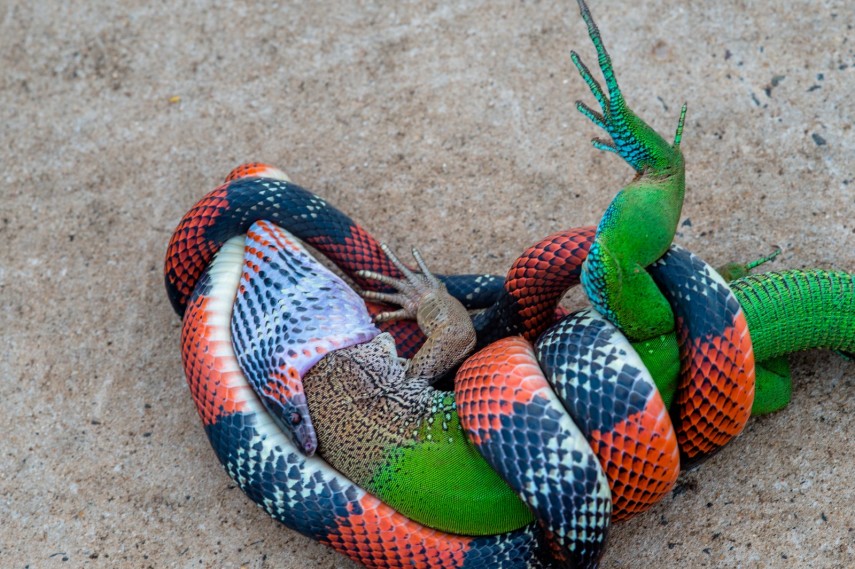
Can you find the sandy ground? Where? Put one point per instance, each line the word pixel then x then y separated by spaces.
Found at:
pixel 444 125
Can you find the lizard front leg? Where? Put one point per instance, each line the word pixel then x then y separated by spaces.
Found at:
pixel 442 318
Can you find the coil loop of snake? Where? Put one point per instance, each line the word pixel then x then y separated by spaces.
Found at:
pixel 572 413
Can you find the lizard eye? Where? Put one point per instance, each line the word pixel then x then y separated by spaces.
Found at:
pixel 296 419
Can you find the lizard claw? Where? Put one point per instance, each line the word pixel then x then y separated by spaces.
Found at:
pixel 410 290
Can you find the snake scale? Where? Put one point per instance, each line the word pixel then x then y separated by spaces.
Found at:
pixel 572 414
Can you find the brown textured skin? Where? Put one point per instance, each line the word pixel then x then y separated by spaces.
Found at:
pixel 450 335
pixel 365 399
pixel 365 404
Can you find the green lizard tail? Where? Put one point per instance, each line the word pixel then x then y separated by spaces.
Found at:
pixel 787 312
pixel 797 310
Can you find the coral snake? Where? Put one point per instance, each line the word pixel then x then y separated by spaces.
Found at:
pixel 567 411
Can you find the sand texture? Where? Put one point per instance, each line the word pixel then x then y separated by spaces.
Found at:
pixel 446 125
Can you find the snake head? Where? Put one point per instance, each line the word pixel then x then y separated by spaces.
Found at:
pixel 289 312
pixel 293 418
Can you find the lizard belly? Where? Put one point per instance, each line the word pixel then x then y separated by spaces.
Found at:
pixel 402 441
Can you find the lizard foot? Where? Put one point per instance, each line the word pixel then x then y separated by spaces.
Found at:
pixel 733 271
pixel 631 138
pixel 412 290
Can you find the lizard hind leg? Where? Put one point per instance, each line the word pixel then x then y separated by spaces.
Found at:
pixel 631 138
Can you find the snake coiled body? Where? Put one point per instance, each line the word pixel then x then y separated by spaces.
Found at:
pixel 274 473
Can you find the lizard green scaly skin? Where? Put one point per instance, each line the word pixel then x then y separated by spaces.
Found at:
pixel 638 227
pixel 640 223
pixel 379 421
